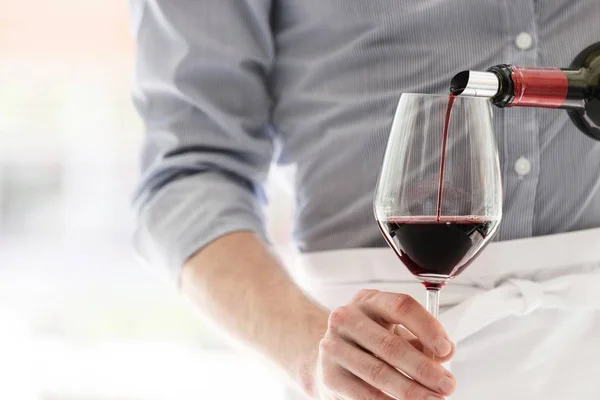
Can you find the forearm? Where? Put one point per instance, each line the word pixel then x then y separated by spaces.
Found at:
pixel 237 282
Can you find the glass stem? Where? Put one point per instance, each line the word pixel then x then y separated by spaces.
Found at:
pixel 433 302
pixel 433 307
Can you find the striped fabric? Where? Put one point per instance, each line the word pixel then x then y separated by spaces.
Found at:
pixel 226 87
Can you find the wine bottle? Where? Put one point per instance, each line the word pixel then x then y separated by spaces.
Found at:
pixel 576 89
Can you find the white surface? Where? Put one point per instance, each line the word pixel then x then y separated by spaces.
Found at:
pixel 132 370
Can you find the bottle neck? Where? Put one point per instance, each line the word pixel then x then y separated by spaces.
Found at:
pixel 541 87
pixel 576 88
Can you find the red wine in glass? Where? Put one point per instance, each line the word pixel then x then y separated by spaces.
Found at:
pixel 437 249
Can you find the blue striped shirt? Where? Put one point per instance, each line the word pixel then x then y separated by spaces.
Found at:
pixel 227 87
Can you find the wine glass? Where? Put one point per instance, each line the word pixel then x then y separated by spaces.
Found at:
pixel 438 200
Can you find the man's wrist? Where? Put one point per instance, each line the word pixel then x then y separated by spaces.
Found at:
pixel 307 371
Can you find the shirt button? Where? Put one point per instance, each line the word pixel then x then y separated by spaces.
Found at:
pixel 523 166
pixel 523 41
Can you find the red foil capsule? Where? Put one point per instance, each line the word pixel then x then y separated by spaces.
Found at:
pixel 539 87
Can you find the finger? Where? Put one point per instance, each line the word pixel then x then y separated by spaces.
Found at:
pixel 402 309
pixel 397 352
pixel 353 388
pixel 417 344
pixel 340 384
pixel 409 337
pixel 379 374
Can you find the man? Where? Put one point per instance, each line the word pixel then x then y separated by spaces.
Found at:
pixel 225 87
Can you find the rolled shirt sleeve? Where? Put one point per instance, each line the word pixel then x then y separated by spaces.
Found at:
pixel 200 88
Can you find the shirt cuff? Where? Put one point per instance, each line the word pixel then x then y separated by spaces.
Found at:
pixel 188 213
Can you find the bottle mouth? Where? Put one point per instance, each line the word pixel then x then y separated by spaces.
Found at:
pixel 475 83
pixel 459 83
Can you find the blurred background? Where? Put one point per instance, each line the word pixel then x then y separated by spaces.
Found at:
pixel 80 317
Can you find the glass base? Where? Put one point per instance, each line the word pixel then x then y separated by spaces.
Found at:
pixel 433 281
